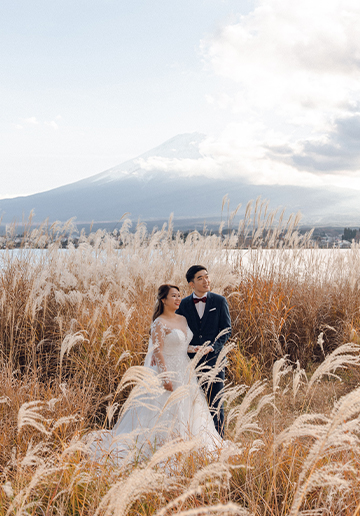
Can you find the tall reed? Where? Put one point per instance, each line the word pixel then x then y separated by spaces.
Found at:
pixel 73 321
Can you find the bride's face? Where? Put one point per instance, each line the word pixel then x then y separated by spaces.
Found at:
pixel 172 300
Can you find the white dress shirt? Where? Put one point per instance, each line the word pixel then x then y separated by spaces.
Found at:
pixel 200 307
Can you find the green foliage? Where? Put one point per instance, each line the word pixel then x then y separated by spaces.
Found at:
pixel 349 234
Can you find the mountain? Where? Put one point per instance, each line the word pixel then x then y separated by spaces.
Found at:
pixel 153 192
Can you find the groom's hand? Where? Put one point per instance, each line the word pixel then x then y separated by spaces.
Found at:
pixel 207 350
pixel 204 349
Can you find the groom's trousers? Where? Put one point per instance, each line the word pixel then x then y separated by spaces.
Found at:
pixel 213 391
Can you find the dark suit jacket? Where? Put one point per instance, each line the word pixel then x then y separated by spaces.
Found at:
pixel 215 319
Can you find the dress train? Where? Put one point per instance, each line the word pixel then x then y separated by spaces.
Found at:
pixel 152 416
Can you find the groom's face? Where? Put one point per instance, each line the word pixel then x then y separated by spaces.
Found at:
pixel 201 283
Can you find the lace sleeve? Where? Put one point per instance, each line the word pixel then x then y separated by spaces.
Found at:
pixel 158 333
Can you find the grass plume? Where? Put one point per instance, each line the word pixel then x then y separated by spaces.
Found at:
pixel 74 329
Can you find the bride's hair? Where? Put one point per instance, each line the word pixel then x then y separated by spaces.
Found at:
pixel 163 291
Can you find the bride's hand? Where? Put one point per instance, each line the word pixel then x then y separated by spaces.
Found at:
pixel 168 385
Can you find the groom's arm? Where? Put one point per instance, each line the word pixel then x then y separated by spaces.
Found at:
pixel 224 324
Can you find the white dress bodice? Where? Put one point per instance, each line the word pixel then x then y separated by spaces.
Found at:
pixel 175 346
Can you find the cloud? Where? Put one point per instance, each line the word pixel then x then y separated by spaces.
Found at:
pixel 30 121
pixel 26 122
pixel 295 68
pixel 52 124
pixel 281 51
pixel 33 121
pixel 233 153
pixel 206 165
pixel 336 152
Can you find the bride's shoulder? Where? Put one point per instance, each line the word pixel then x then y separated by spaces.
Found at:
pixel 158 323
pixel 155 322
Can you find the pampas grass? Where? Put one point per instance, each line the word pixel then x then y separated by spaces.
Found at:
pixel 74 329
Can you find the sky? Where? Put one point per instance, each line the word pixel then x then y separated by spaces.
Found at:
pixel 88 84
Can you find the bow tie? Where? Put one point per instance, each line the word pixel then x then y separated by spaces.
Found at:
pixel 197 299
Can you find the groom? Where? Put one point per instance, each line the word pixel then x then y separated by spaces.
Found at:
pixel 207 314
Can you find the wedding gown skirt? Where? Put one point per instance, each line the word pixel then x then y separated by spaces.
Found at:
pixel 152 415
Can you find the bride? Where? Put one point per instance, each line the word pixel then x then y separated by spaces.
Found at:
pixel 166 402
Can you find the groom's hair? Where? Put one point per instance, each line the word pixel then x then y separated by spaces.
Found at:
pixel 190 274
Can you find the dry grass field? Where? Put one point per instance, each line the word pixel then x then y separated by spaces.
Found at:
pixel 73 321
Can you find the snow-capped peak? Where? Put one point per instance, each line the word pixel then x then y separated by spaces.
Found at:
pixel 169 155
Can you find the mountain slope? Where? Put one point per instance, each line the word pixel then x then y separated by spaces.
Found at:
pixel 154 194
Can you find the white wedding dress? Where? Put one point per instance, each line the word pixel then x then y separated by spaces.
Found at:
pixel 152 415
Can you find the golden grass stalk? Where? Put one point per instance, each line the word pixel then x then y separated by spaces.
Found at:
pixel 342 357
pixel 74 329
